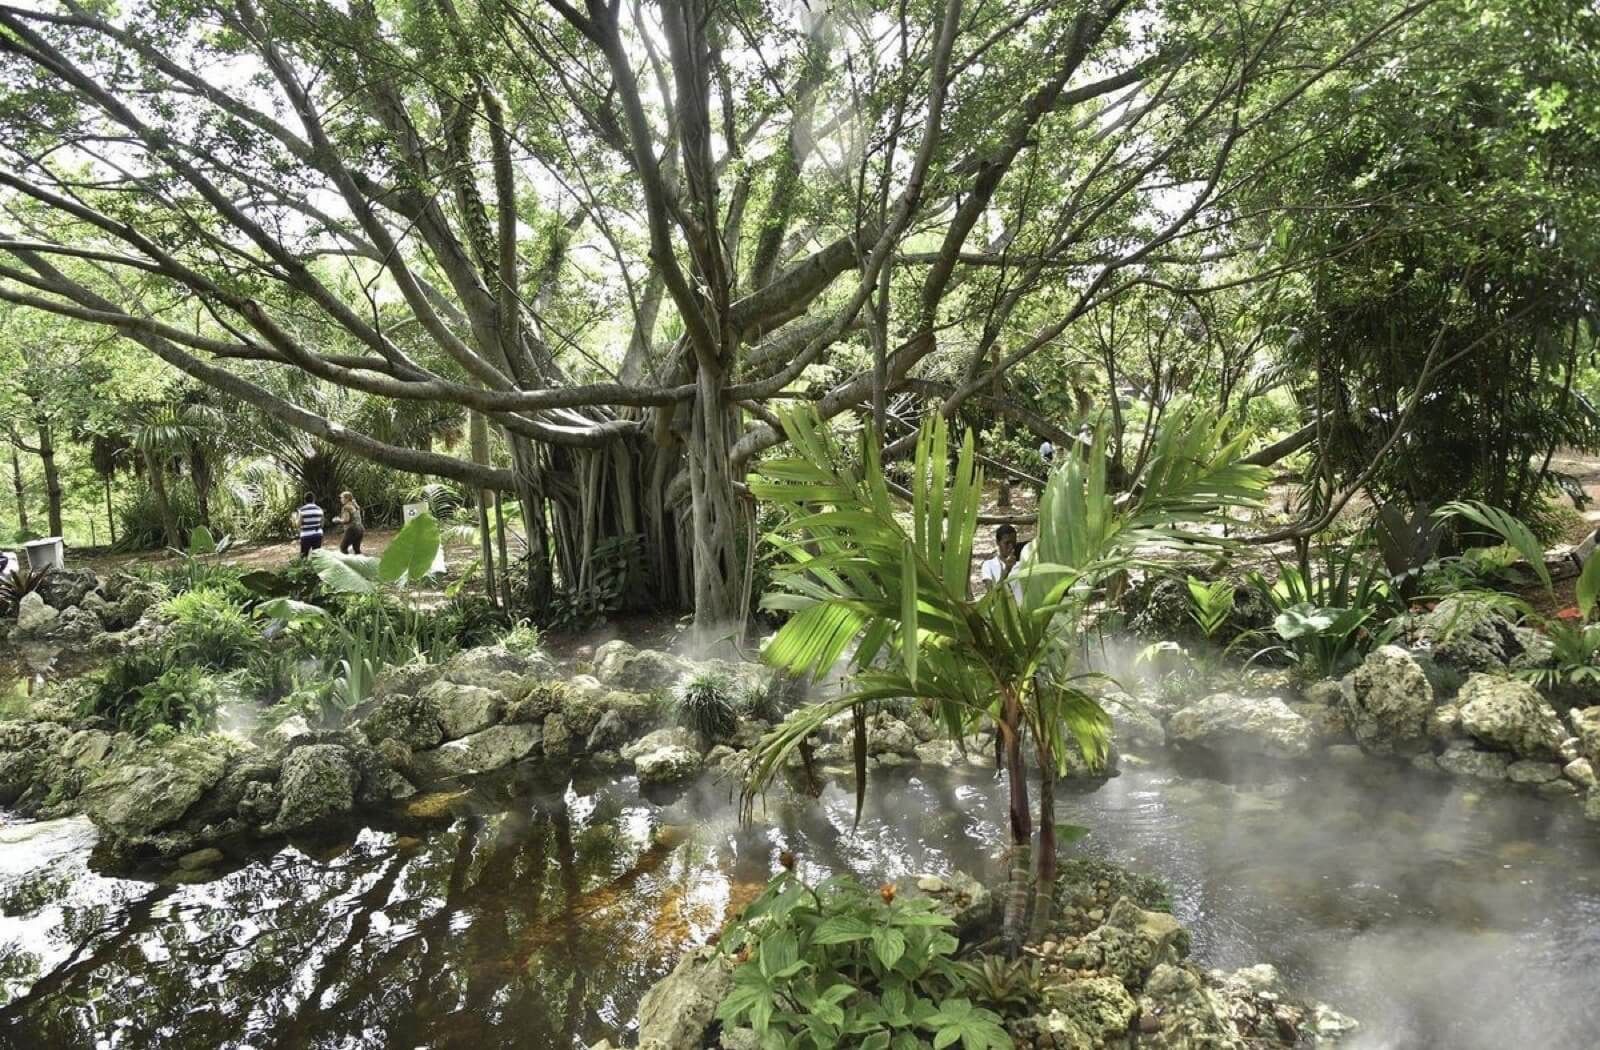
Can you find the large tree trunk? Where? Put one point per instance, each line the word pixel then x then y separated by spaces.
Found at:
pixel 52 477
pixel 479 430
pixel 715 511
pixel 530 493
pixel 20 490
pixel 111 517
pixel 158 492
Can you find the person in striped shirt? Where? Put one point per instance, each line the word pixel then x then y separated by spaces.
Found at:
pixel 308 519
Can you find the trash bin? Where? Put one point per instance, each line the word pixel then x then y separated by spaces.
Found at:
pixel 48 553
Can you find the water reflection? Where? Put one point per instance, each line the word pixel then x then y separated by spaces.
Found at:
pixel 533 914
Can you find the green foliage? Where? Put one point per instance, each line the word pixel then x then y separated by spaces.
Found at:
pixel 1511 530
pixel 1575 656
pixel 1323 615
pixel 707 703
pixel 16 584
pixel 209 627
pixel 1012 987
pixel 145 690
pixel 1210 604
pixel 524 639
pixel 466 621
pixel 613 571
pixel 836 966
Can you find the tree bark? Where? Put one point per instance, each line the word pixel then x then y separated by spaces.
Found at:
pixel 1045 862
pixel 479 430
pixel 52 477
pixel 111 517
pixel 158 492
pixel 1021 820
pixel 20 490
pixel 715 511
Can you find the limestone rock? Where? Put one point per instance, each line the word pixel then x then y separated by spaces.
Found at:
pixel 608 734
pixel 1387 701
pixel 672 736
pixel 1248 725
pixel 480 752
pixel 1130 943
pixel 1464 760
pixel 939 753
pixel 1586 725
pixel 891 736
pixel 675 1013
pixel 498 669
pixel 1527 771
pixel 1189 1014
pixel 671 764
pixel 1580 772
pixel 1135 720
pixel 463 709
pixel 64 588
pixel 1469 636
pixel 1100 1007
pixel 621 665
pixel 1591 804
pixel 318 783
pixel 156 786
pixel 558 738
pixel 1509 714
pixel 414 721
pixel 35 619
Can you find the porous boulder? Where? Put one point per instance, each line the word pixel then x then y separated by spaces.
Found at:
pixel 64 588
pixel 1185 1013
pixel 479 752
pixel 1130 943
pixel 463 709
pixel 1242 725
pixel 156 786
pixel 618 664
pixel 1387 701
pixel 1586 726
pixel 318 784
pixel 1464 760
pixel 675 1013
pixel 35 617
pixel 414 721
pixel 1135 720
pixel 1508 714
pixel 1470 636
pixel 497 669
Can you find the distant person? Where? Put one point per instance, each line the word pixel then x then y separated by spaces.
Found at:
pixel 350 518
pixel 308 519
pixel 1047 452
pixel 999 567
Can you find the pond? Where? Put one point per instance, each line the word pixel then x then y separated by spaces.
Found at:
pixel 535 914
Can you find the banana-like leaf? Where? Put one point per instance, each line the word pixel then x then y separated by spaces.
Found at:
pixel 346 573
pixel 411 554
pixel 289 610
pixel 1589 585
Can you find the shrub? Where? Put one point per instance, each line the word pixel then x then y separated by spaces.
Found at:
pixel 17 584
pixel 472 620
pixel 210 627
pixel 524 639
pixel 142 690
pixel 705 703
pixel 835 965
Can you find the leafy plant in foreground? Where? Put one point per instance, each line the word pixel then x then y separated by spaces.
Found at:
pixel 859 569
pixel 146 689
pixel 1210 604
pixel 17 584
pixel 834 965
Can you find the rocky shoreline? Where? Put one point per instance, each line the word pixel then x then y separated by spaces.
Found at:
pixel 1449 701
pixel 1115 973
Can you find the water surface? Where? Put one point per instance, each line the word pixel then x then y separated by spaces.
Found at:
pixel 532 913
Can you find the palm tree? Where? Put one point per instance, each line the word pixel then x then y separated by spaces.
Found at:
pixel 887 570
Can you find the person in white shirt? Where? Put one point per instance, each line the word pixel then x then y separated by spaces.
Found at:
pixel 1047 452
pixel 1008 552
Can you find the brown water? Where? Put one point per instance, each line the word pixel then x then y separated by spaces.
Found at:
pixel 534 914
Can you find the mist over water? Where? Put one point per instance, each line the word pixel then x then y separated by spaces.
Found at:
pixel 535 913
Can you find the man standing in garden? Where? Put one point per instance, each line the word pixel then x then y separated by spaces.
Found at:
pixel 308 519
pixel 997 568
